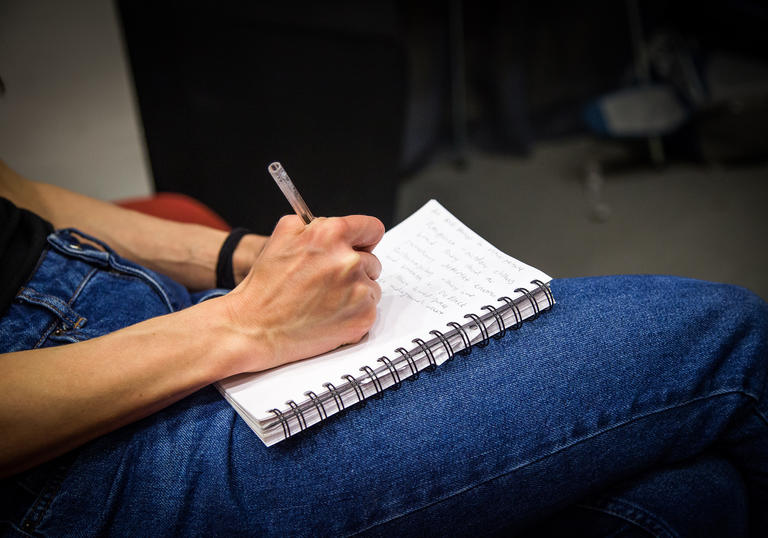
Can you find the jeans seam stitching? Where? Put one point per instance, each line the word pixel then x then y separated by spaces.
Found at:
pixel 87 278
pixel 46 333
pixel 69 318
pixel 212 294
pixel 37 512
pixel 41 300
pixel 80 319
pixel 761 415
pixel 138 272
pixel 111 260
pixel 564 447
pixel 655 525
pixel 16 527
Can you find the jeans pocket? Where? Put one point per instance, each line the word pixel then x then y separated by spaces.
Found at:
pixel 112 300
pixel 79 292
pixel 68 243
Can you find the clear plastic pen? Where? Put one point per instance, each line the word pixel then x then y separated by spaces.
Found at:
pixel 280 176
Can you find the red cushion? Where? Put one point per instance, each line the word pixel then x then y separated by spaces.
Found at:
pixel 178 207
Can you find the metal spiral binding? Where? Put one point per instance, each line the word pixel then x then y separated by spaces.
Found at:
pixel 358 389
pixel 443 340
pixel 547 293
pixel 392 371
pixel 467 349
pixel 336 396
pixel 499 321
pixel 318 404
pixel 515 310
pixel 411 362
pixel 428 352
pixel 283 422
pixel 427 349
pixel 378 387
pixel 482 327
pixel 532 300
pixel 299 415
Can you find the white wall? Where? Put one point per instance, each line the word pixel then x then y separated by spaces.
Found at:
pixel 69 115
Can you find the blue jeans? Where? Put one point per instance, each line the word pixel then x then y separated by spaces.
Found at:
pixel 628 388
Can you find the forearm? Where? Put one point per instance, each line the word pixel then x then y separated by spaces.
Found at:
pixel 311 290
pixel 55 399
pixel 185 252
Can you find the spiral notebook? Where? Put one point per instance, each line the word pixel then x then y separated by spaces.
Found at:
pixel 444 289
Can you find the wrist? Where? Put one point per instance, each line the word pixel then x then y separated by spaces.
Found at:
pixel 240 347
pixel 245 255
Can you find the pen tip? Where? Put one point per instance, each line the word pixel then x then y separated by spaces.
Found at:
pixel 275 166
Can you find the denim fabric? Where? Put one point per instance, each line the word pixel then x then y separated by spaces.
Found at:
pixel 80 291
pixel 626 379
pixel 673 500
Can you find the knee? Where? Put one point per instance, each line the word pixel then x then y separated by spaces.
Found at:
pixel 730 323
pixel 737 308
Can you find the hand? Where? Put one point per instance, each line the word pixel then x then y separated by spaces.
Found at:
pixel 311 289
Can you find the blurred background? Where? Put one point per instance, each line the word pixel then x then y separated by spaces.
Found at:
pixel 584 138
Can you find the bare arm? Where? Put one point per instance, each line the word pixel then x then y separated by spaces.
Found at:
pixel 185 252
pixel 54 399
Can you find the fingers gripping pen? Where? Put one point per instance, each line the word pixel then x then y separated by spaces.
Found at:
pixel 280 176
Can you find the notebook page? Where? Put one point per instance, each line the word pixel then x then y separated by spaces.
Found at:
pixel 434 270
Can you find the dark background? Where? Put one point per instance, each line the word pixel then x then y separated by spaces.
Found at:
pixel 353 97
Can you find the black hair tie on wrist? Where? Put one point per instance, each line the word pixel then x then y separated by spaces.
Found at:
pixel 225 271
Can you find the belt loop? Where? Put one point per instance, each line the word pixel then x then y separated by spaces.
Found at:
pixel 62 310
pixel 66 242
pixel 75 231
